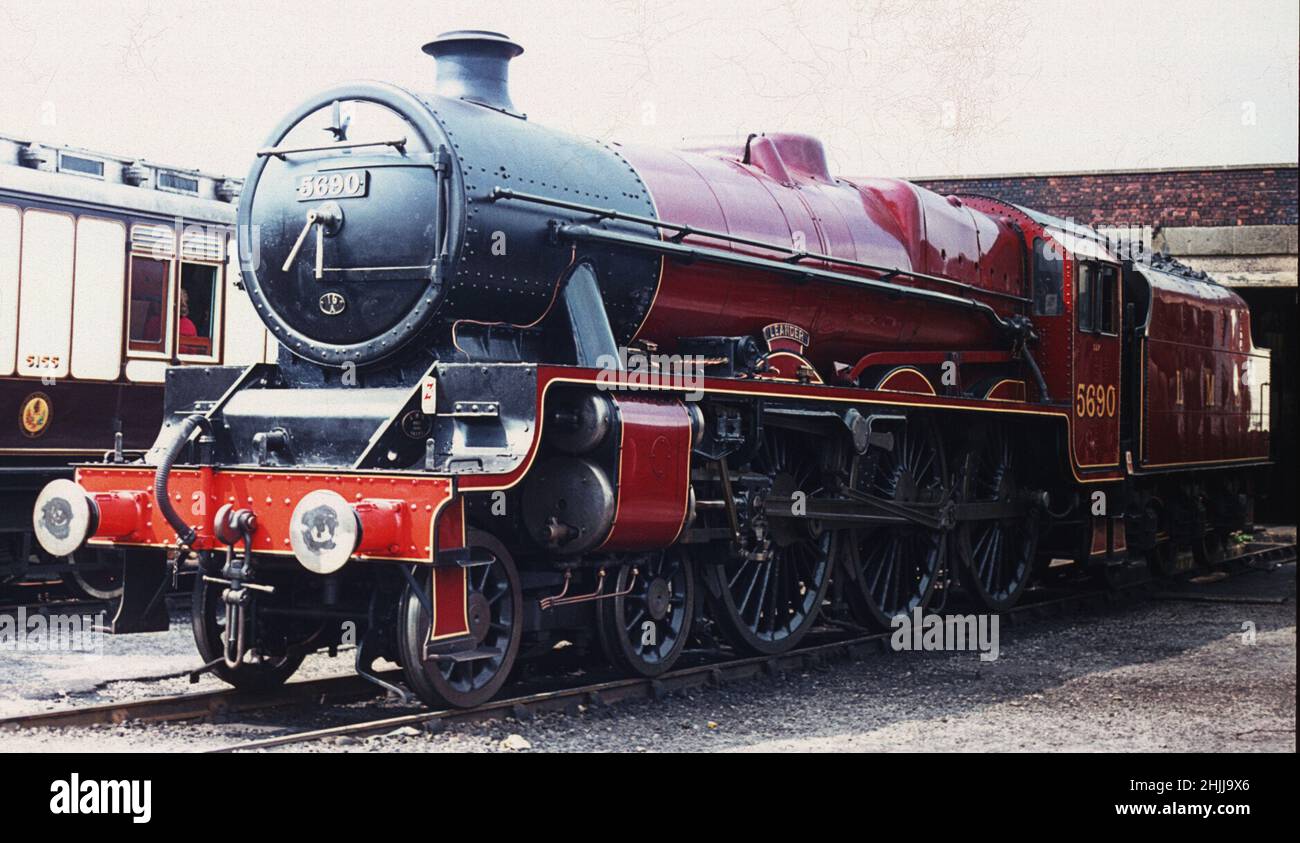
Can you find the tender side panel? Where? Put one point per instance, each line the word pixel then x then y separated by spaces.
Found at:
pixel 1205 385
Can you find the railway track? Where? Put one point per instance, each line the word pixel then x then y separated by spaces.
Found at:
pixel 828 647
pixel 203 705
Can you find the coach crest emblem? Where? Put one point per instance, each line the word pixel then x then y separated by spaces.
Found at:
pixel 35 415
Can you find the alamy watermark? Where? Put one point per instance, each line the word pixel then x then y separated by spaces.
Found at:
pixel 921 632
pixel 128 797
pixel 39 632
pixel 634 369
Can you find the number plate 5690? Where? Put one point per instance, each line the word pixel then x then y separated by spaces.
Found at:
pixel 341 184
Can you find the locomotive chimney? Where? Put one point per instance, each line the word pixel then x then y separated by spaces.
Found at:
pixel 474 65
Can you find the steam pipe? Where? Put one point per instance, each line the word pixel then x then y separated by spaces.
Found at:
pixel 593 339
pixel 184 431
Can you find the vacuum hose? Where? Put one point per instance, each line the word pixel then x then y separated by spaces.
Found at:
pixel 184 431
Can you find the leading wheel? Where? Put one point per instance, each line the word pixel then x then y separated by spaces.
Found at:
pixel 271 657
pixel 644 630
pixel 891 570
pixel 767 598
pixel 495 607
pixel 996 555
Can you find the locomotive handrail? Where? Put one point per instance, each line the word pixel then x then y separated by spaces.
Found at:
pixel 281 151
pixel 1019 328
pixel 682 251
pixel 795 255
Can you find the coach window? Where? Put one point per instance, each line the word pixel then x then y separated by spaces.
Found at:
pixel 194 308
pixel 198 298
pixel 148 308
pixel 81 165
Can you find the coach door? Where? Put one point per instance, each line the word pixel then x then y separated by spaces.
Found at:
pixel 1096 397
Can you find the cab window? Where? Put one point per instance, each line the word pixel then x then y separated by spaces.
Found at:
pixel 1108 300
pixel 1097 297
pixel 1086 299
pixel 1049 272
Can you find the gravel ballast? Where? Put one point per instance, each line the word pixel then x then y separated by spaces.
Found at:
pixel 1148 675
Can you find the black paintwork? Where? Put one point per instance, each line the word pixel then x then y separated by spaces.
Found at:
pixel 488 261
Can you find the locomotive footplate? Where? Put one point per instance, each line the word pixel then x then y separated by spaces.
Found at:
pixel 298 512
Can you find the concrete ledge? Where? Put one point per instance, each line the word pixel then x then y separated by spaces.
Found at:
pixel 1227 240
pixel 1267 271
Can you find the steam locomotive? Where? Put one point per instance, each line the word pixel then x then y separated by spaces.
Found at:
pixel 535 388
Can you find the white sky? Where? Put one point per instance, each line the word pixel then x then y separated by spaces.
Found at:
pixel 894 87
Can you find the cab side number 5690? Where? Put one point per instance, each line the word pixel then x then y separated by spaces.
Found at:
pixel 1094 400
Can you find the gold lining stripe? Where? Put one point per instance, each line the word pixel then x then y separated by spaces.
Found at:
pixel 902 370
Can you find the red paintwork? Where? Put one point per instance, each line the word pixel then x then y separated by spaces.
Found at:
pixel 272 495
pixel 1097 363
pixel 1199 334
pixel 1109 537
pixel 450 582
pixel 1070 358
pixel 381 525
pixel 1056 333
pixel 450 609
pixel 121 514
pixel 451 525
pixel 653 474
pixel 918 358
pixel 784 195
pixel 779 191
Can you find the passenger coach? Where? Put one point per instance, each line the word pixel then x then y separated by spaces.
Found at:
pixel 111 270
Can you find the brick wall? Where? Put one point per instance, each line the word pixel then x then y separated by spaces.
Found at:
pixel 1164 198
